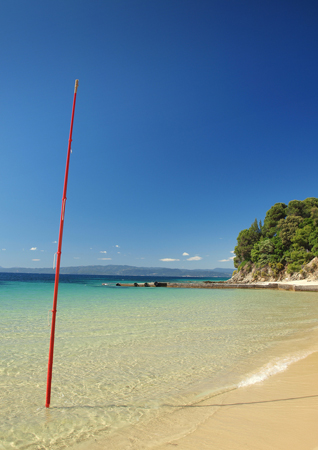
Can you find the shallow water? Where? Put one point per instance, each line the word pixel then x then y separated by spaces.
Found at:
pixel 124 356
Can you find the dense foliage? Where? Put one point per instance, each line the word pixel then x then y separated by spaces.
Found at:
pixel 288 237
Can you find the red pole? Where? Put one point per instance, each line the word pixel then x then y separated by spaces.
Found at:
pixel 58 261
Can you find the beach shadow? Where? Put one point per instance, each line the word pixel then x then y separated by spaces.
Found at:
pixel 244 403
pixel 212 405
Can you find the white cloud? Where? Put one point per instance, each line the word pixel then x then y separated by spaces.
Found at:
pixel 232 251
pixel 104 259
pixel 169 259
pixel 54 242
pixel 117 246
pixel 194 258
pixel 36 260
pixel 185 254
pixel 225 260
pixel 33 248
pixel 103 251
pixel 4 249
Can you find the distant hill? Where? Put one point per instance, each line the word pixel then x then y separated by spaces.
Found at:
pixel 128 271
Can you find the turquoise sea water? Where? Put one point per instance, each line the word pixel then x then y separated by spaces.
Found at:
pixel 128 356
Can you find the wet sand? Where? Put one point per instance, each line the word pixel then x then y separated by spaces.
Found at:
pixel 280 413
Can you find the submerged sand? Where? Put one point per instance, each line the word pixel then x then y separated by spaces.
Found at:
pixel 280 413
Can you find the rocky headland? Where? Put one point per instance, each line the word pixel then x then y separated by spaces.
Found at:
pixel 250 273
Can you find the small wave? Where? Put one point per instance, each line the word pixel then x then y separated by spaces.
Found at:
pixel 273 367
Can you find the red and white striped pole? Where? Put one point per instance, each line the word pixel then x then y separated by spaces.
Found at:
pixel 58 260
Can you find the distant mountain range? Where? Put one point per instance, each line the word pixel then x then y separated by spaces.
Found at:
pixel 128 271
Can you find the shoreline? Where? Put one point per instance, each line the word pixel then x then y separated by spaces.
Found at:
pixel 279 413
pixel 288 285
pixel 296 285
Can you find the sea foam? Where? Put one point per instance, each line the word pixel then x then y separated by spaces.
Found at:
pixel 275 366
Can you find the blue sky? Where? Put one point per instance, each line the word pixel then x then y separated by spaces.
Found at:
pixel 192 119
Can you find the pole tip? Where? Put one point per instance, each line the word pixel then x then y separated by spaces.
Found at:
pixel 76 86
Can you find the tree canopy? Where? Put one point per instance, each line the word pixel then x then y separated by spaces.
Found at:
pixel 289 237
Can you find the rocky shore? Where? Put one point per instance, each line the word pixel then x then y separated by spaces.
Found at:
pixel 280 285
pixel 250 274
pixel 251 277
pixel 285 286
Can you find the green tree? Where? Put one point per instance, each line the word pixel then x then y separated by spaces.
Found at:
pixel 262 252
pixel 296 208
pixel 313 241
pixel 314 216
pixel 273 216
pixel 289 236
pixel 245 242
pixel 301 237
pixel 287 228
pixel 296 257
pixel 279 250
pixel 310 207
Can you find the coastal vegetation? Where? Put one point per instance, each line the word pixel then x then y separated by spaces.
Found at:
pixel 286 243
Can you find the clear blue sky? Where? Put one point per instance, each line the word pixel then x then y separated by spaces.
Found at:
pixel 192 119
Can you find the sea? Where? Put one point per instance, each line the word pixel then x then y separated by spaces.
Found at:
pixel 129 361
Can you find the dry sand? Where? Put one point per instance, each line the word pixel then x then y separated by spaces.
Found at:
pixel 280 413
pixel 296 282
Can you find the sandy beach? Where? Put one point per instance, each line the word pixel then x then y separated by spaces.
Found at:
pixel 161 368
pixel 278 414
pixel 294 282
